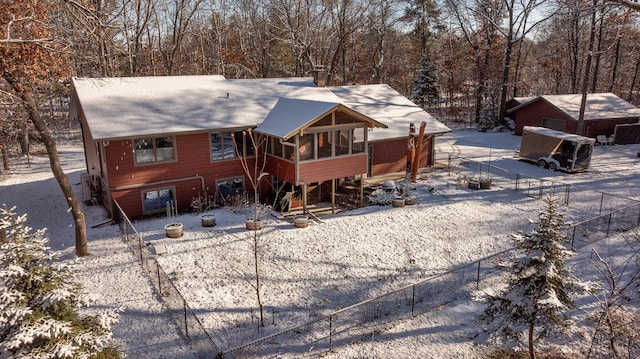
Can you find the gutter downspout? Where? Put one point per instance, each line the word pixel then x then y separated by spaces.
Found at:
pixel 139 185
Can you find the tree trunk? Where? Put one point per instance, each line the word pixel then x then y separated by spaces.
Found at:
pixel 532 353
pixel 580 130
pixel 633 81
pixel 56 168
pixel 616 63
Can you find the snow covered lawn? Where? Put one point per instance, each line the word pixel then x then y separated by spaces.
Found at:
pixel 306 272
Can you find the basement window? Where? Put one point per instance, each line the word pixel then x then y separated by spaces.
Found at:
pixel 155 201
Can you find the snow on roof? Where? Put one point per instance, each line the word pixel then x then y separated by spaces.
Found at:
pixel 386 105
pixel 136 106
pixel 598 106
pixel 141 106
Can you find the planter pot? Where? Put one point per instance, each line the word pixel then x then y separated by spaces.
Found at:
pixel 301 221
pixel 398 202
pixel 253 225
pixel 473 184
pixel 208 220
pixel 173 230
pixel 485 183
pixel 411 200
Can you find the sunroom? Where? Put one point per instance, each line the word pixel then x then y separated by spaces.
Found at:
pixel 311 145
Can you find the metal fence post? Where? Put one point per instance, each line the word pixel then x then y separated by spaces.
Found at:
pixel 601 201
pixel 186 325
pixel 567 191
pixel 159 281
pixel 478 276
pixel 413 297
pixel 517 180
pixel 609 224
pixel 330 332
pixel 541 189
pixel 449 164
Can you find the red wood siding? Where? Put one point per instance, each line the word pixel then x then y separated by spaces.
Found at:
pixel 279 167
pixel 323 170
pixel 391 156
pixel 186 173
pixel 532 115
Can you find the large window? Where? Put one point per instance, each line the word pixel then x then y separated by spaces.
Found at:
pixel 154 149
pixel 225 144
pixel 155 201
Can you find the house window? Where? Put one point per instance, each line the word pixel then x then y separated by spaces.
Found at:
pixel 155 201
pixel 150 150
pixel 227 145
pixel 230 188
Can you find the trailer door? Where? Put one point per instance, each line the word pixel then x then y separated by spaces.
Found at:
pixel 583 157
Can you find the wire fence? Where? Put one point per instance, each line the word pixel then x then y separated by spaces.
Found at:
pixel 189 324
pixel 373 316
pixel 578 197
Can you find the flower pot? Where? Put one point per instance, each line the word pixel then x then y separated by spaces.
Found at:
pixel 173 230
pixel 398 202
pixel 300 221
pixel 485 183
pixel 253 224
pixel 411 200
pixel 208 220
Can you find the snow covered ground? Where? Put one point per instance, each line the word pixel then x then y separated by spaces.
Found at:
pixel 307 272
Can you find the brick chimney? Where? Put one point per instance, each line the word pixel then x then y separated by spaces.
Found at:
pixel 319 76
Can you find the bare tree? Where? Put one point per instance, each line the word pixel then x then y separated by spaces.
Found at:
pixel 253 167
pixel 30 51
pixel 615 334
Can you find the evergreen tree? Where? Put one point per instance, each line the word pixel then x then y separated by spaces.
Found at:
pixel 39 302
pixel 425 89
pixel 538 294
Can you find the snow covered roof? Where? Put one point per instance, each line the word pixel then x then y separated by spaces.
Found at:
pixel 127 107
pixel 599 106
pixel 386 105
pixel 289 116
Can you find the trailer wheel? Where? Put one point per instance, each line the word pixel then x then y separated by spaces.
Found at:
pixel 553 166
pixel 542 163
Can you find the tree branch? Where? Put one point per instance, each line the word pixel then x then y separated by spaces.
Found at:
pixel 631 4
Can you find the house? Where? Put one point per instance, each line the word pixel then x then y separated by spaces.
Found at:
pixel 603 111
pixel 153 140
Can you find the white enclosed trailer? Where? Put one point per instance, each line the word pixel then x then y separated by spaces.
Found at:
pixel 556 150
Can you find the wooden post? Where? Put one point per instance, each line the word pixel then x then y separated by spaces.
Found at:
pixel 333 196
pixel 362 189
pixel 304 197
pixel 410 148
pixel 418 151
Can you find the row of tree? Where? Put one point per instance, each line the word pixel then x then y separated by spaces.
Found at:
pixel 483 51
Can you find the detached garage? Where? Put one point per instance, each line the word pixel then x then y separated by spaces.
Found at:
pixel 603 112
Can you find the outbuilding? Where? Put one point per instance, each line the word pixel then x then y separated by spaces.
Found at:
pixel 603 111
